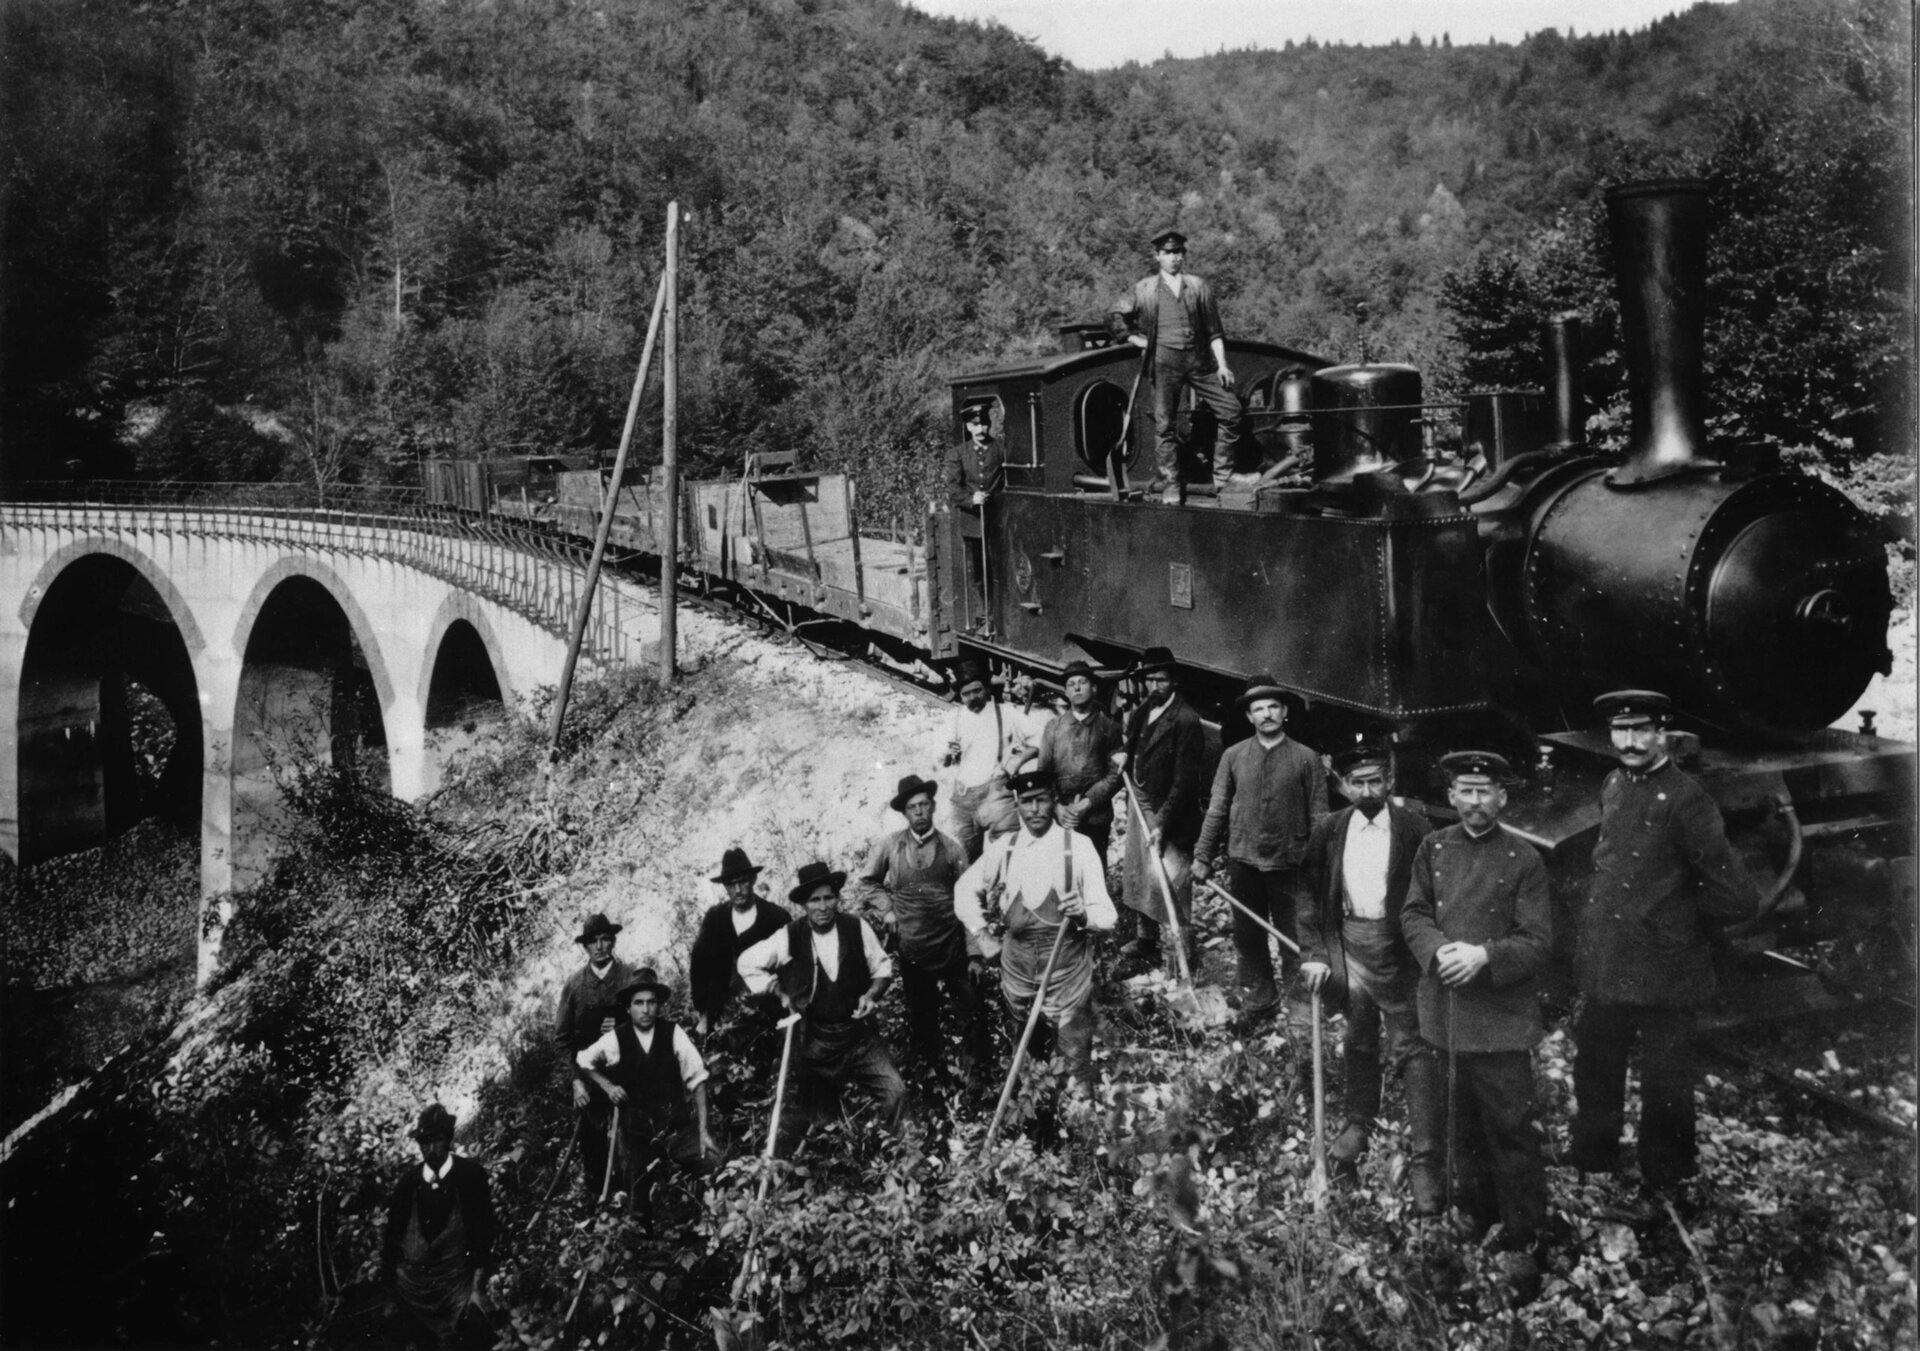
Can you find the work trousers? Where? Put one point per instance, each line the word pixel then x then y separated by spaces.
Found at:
pixel 1499 1172
pixel 1071 1037
pixel 1274 894
pixel 1381 985
pixel 1602 1037
pixel 816 1092
pixel 1175 370
pixel 920 990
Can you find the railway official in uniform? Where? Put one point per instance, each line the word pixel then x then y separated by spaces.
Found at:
pixel 908 881
pixel 1268 793
pixel 1034 881
pixel 589 1007
pixel 1478 924
pixel 1357 867
pixel 1165 755
pixel 648 1068
pixel 439 1239
pixel 1077 749
pixel 1171 317
pixel 985 738
pixel 727 930
pixel 976 472
pixel 1662 872
pixel 831 970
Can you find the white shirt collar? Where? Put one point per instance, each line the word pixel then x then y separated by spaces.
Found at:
pixel 428 1175
pixel 599 970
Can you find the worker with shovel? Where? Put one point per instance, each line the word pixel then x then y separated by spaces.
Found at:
pixel 1163 759
pixel 1036 880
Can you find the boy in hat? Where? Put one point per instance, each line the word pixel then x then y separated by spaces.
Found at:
pixel 1478 924
pixel 1077 748
pixel 1165 756
pixel 976 472
pixel 1035 880
pixel 438 1248
pixel 1171 317
pixel 1268 794
pixel 648 1068
pixel 907 881
pixel 1662 871
pixel 831 970
pixel 1357 867
pixel 985 737
pixel 728 929
pixel 589 1006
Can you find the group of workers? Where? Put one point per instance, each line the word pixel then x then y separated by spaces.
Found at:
pixel 1433 939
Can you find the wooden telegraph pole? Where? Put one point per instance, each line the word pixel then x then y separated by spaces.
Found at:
pixel 669 450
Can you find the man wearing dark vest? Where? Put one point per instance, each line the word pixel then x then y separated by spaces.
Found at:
pixel 831 970
pixel 588 1009
pixel 1165 755
pixel 727 930
pixel 1268 794
pixel 1034 881
pixel 1077 749
pixel 1662 872
pixel 907 882
pixel 648 1068
pixel 438 1248
pixel 1357 867
pixel 1172 319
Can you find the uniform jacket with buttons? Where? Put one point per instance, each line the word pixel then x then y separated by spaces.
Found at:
pixel 1492 892
pixel 1662 870
pixel 972 469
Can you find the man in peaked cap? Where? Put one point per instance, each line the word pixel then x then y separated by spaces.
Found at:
pixel 1357 867
pixel 438 1247
pixel 1268 794
pixel 1077 749
pixel 728 929
pixel 1165 755
pixel 1171 317
pixel 831 970
pixel 1662 871
pixel 1033 881
pixel 908 882
pixel 1478 923
pixel 588 1008
pixel 976 472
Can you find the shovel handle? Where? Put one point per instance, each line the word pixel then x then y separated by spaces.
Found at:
pixel 1026 1036
pixel 1166 882
pixel 1234 901
pixel 1318 1185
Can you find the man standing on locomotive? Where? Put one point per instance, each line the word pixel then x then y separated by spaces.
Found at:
pixel 1165 755
pixel 1171 317
pixel 976 472
pixel 1077 749
pixel 1268 794
pixel 1662 870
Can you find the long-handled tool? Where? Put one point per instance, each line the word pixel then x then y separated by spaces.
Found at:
pixel 1117 458
pixel 565 1154
pixel 1026 1036
pixel 1317 1185
pixel 1452 1089
pixel 1234 901
pixel 730 1332
pixel 1159 865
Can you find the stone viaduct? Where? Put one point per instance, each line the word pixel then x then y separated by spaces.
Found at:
pixel 266 636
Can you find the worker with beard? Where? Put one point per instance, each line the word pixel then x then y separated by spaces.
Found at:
pixel 1165 755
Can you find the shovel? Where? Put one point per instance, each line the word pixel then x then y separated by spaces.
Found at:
pixel 1196 1010
pixel 731 1332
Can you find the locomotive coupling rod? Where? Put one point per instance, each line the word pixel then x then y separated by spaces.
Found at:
pixel 1234 901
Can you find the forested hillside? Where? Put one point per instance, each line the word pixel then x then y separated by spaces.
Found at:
pixel 320 239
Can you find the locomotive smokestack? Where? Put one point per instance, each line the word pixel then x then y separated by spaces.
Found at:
pixel 1660 267
pixel 1565 364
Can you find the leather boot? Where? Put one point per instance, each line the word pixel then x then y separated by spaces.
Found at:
pixel 1427 1125
pixel 1363 1086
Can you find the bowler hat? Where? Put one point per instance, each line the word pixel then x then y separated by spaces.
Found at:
pixel 597 926
pixel 1630 708
pixel 1169 235
pixel 811 876
pixel 644 979
pixel 1078 668
pixel 1457 764
pixel 969 671
pixel 1366 753
pixel 436 1123
pixel 911 787
pixel 1261 687
pixel 736 866
pixel 1152 660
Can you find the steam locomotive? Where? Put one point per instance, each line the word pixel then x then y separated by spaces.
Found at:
pixel 1427 594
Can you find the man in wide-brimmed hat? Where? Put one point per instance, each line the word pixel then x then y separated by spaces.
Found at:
pixel 728 929
pixel 1478 923
pixel 1077 748
pixel 648 1068
pixel 589 1007
pixel 1663 873
pixel 1268 794
pixel 438 1247
pixel 1165 756
pixel 907 882
pixel 831 970
pixel 1034 881
pixel 1358 864
pixel 985 739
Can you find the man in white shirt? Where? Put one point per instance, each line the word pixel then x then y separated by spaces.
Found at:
pixel 831 969
pixel 1358 864
pixel 1035 880
pixel 982 736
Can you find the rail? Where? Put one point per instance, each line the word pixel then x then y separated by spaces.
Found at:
pixel 536 573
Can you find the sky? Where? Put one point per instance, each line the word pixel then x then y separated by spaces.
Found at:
pixel 1093 34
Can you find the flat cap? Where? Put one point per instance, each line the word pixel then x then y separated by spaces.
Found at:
pixel 1462 764
pixel 1631 708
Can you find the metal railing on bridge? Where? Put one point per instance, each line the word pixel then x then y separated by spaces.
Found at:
pixel 520 564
